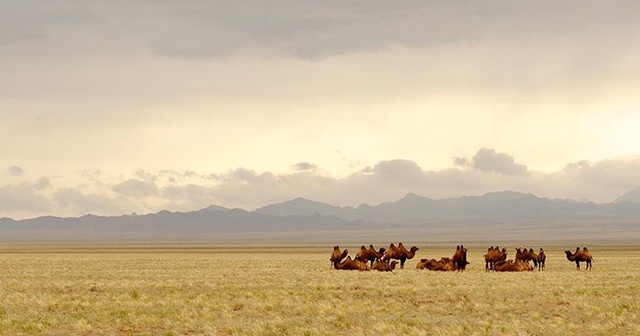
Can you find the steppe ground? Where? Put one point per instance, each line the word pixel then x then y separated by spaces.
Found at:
pixel 197 290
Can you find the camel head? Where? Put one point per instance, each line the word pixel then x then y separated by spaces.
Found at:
pixel 336 255
pixel 382 250
pixel 414 249
pixel 568 253
pixel 393 264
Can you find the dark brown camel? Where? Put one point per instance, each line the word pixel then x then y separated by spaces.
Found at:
pixel 459 258
pixel 541 259
pixel 382 266
pixel 370 254
pixel 579 256
pixel 524 256
pixel 400 253
pixel 493 256
pixel 336 255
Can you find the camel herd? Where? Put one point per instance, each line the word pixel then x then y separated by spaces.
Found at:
pixel 385 260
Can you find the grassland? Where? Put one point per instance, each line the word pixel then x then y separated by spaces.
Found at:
pixel 273 291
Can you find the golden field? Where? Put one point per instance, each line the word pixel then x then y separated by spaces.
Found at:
pixel 199 290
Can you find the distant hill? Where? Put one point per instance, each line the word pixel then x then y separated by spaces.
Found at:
pixel 502 216
pixel 632 196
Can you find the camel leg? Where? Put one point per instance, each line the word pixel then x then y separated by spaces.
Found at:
pixel 402 260
pixel 577 265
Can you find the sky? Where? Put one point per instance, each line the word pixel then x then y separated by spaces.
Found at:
pixel 115 107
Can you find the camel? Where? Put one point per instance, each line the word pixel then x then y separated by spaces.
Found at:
pixel 579 256
pixel 382 266
pixel 541 259
pixel 459 258
pixel 351 265
pixel 336 255
pixel 444 264
pixel 400 253
pixel 512 266
pixel 493 256
pixel 524 255
pixel 370 254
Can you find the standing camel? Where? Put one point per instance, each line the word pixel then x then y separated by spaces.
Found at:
pixel 541 259
pixel 459 258
pixel 579 256
pixel 370 254
pixel 400 253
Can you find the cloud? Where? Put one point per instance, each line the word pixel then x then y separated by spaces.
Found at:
pixel 136 188
pixel 487 160
pixel 303 28
pixel 15 170
pixel 42 183
pixel 601 181
pixel 74 201
pixel 22 198
pixel 304 166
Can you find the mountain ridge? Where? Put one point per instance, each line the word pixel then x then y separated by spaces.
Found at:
pixel 508 213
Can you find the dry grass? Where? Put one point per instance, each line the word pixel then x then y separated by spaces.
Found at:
pixel 228 292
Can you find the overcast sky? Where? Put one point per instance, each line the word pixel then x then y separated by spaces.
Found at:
pixel 113 107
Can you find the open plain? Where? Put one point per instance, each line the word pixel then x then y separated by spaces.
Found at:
pixel 270 290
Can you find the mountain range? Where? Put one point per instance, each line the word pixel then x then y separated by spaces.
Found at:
pixel 496 216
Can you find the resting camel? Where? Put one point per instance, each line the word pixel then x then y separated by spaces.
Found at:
pixel 512 266
pixel 459 258
pixel 336 255
pixel 493 256
pixel 370 254
pixel 382 266
pixel 351 265
pixel 525 255
pixel 541 259
pixel 400 253
pixel 444 264
pixel 579 256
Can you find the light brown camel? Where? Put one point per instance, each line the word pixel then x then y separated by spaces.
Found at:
pixel 370 254
pixel 444 264
pixel 459 258
pixel 336 255
pixel 512 266
pixel 382 266
pixel 579 256
pixel 542 257
pixel 494 255
pixel 351 265
pixel 400 253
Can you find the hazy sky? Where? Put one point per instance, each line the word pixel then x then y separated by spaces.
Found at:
pixel 111 107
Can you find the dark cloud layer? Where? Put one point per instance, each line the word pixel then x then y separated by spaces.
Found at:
pixel 306 29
